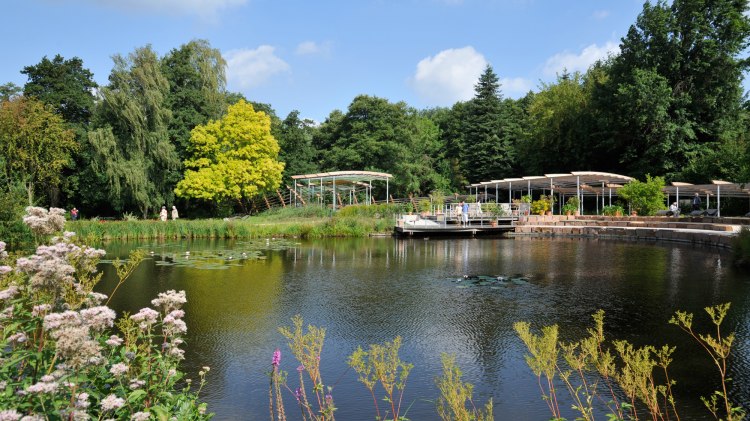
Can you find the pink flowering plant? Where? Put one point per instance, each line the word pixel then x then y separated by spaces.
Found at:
pixel 64 354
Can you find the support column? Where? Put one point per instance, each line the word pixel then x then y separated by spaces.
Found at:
pixel 334 193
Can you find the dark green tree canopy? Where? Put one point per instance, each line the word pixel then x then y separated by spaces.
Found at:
pixel 197 85
pixel 487 151
pixel 65 85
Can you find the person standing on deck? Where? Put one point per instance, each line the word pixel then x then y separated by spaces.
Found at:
pixel 696 202
pixel 464 213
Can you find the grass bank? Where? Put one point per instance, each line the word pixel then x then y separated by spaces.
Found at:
pixel 353 221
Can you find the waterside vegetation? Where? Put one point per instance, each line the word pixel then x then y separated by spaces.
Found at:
pixel 308 222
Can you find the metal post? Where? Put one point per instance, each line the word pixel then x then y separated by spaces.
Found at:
pixel 369 201
pixel 334 193
pixel 718 200
pixel 510 192
pixel 610 196
pixel 387 193
pixel 496 198
pixel 552 196
pixel 578 194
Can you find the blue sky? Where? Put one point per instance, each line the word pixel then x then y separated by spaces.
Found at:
pixel 316 56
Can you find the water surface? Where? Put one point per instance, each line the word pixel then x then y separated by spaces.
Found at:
pixel 370 290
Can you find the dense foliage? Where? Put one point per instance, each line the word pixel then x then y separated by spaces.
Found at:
pixel 64 354
pixel 670 103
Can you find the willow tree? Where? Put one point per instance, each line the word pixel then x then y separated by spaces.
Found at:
pixel 35 144
pixel 232 159
pixel 130 149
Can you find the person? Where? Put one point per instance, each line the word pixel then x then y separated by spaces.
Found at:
pixel 464 213
pixel 696 202
pixel 175 215
pixel 74 214
pixel 479 207
pixel 163 213
pixel 674 209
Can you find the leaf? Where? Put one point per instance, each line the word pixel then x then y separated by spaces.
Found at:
pixel 136 395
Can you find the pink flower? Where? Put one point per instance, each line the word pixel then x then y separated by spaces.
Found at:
pixel 276 357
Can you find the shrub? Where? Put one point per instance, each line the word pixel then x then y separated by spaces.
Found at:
pixel 612 210
pixel 644 197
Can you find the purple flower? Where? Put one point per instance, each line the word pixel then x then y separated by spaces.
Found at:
pixel 298 393
pixel 300 368
pixel 276 357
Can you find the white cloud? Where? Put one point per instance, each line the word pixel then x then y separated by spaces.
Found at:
pixel 579 62
pixel 601 14
pixel 449 76
pixel 515 86
pixel 203 8
pixel 312 47
pixel 250 68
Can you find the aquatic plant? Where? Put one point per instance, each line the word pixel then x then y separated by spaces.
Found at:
pixel 306 347
pixel 627 381
pixel 65 355
pixel 455 394
pixel 382 365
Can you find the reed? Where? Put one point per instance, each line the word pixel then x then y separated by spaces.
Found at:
pixel 290 223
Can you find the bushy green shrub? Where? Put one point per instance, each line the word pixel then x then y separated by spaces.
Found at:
pixel 644 197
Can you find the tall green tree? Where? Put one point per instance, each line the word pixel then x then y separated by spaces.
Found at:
pixel 675 88
pixel 130 146
pixel 196 73
pixel 377 135
pixel 65 85
pixel 232 159
pixel 68 87
pixel 35 145
pixel 487 152
pixel 297 150
pixel 9 91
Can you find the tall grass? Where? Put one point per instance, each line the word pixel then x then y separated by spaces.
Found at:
pixel 309 222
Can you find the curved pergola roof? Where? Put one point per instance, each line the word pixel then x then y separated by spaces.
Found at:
pixel 585 182
pixel 351 176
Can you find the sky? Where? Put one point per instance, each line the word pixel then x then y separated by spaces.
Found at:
pixel 315 56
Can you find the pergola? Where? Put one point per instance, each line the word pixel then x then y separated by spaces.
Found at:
pixel 577 183
pixel 337 182
pixel 717 188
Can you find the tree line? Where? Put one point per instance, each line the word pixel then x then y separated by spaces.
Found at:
pixel 166 130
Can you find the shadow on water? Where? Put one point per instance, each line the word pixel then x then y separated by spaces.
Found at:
pixel 370 290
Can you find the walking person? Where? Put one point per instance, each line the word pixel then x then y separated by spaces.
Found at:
pixel 464 213
pixel 163 214
pixel 175 215
pixel 74 214
pixel 696 202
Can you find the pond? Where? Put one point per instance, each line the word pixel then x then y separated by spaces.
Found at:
pixel 367 291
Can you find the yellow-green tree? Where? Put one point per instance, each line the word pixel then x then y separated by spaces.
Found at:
pixel 234 158
pixel 35 144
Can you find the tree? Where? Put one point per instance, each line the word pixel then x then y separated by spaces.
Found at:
pixel 130 148
pixel 675 89
pixel 9 91
pixel 197 89
pixel 377 135
pixel 297 151
pixel 65 85
pixel 561 125
pixel 35 145
pixel 232 159
pixel 487 152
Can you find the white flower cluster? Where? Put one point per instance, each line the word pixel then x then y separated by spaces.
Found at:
pixel 170 300
pixel 52 265
pixel 44 222
pixel 72 331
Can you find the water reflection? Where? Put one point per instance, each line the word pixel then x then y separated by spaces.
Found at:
pixel 370 290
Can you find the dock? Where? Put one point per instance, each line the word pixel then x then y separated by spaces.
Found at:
pixel 436 226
